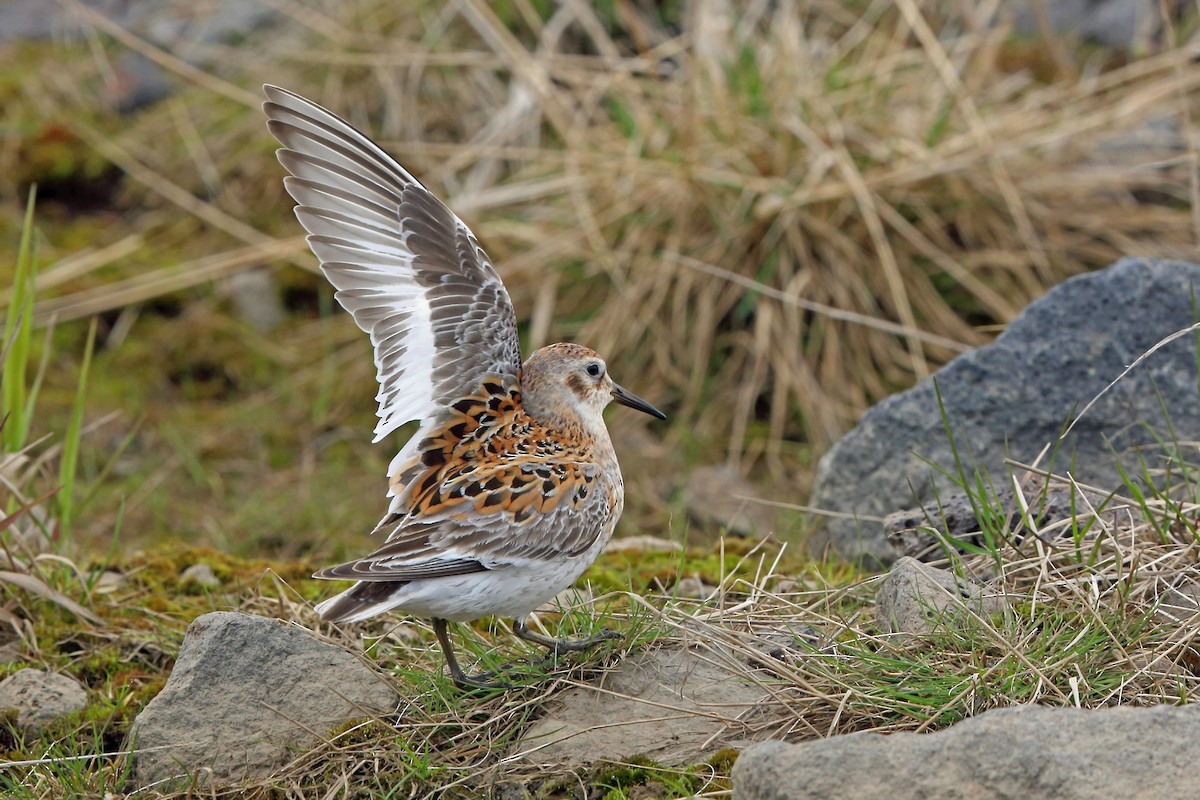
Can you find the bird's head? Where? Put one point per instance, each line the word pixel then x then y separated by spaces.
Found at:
pixel 566 381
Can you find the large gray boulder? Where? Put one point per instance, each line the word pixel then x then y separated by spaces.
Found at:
pixel 245 694
pixel 1034 752
pixel 1014 397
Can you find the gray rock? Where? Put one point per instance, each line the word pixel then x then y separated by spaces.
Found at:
pixel 915 599
pixel 244 693
pixel 1130 24
pixel 1014 396
pixel 200 574
pixel 692 588
pixel 187 31
pixel 952 522
pixel 643 543
pixel 28 533
pixel 717 496
pixel 137 82
pixel 568 599
pixel 164 22
pixel 256 297
pixel 1034 752
pixel 1178 605
pixel 1157 138
pixel 673 706
pixel 41 697
pixel 108 582
pixel 10 652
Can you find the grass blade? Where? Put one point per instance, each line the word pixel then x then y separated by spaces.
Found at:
pixel 18 326
pixel 69 463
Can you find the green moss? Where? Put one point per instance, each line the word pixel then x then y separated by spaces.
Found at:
pixel 649 571
pixel 614 781
pixel 723 760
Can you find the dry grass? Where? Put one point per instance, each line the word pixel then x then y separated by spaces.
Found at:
pixel 773 219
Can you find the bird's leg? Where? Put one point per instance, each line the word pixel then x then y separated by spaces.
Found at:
pixel 461 679
pixel 559 646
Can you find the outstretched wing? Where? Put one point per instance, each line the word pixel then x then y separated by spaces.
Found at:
pixel 409 271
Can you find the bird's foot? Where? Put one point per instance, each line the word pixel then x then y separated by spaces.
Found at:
pixel 483 680
pixel 559 646
pixel 461 679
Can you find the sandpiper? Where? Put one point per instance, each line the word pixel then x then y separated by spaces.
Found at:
pixel 510 488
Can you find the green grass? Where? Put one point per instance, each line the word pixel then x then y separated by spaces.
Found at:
pixel 19 394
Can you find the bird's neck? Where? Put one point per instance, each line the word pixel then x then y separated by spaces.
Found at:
pixel 575 431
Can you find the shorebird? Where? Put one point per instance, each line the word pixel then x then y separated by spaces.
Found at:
pixel 510 487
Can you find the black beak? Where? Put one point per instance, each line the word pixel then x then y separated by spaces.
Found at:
pixel 633 401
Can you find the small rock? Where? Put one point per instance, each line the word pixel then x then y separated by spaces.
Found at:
pixel 1034 752
pixel 1160 664
pixel 693 588
pixel 12 465
pixel 193 32
pixel 719 496
pixel 1108 23
pixel 135 82
pixel 245 692
pixel 41 697
pixel 1178 604
pixel 200 574
pixel 32 538
pixel 787 642
pixel 643 544
pixel 10 652
pixel 108 582
pixel 404 633
pixel 674 706
pixel 788 586
pixel 916 599
pixel 1158 137
pixel 951 522
pixel 256 296
pixel 30 530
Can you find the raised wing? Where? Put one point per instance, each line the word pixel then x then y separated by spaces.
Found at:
pixel 409 271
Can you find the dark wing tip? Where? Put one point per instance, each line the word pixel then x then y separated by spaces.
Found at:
pixel 359 602
pixel 341 572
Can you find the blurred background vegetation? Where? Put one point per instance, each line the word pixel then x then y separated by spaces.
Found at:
pixel 766 215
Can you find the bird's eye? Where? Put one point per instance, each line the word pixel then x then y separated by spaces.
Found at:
pixel 595 370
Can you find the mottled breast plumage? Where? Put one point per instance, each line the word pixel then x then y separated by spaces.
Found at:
pixel 490 458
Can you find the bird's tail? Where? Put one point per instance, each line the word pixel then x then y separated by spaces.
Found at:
pixel 363 600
